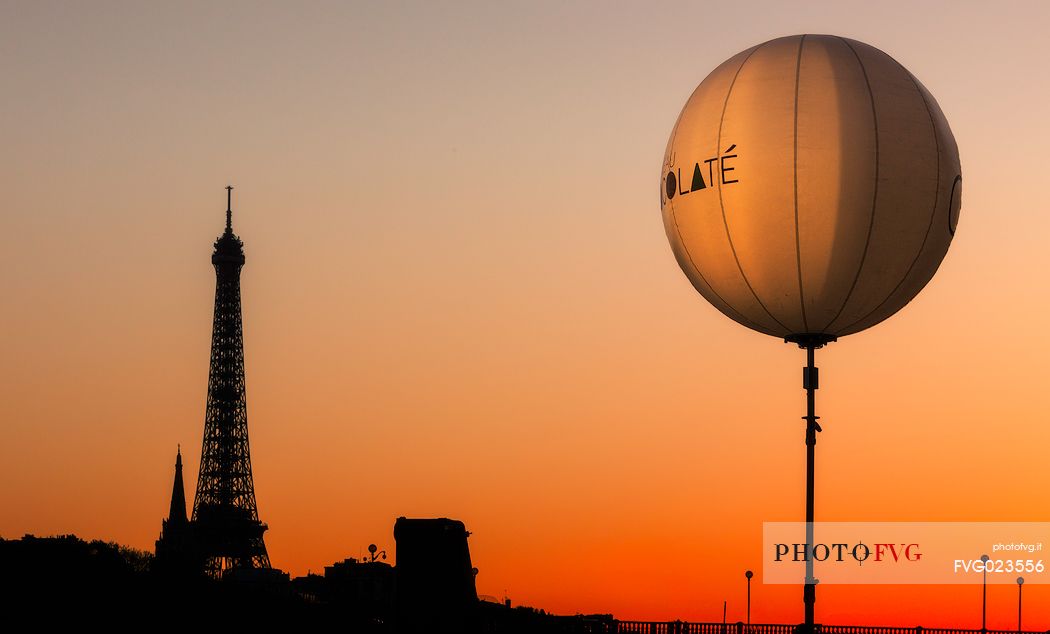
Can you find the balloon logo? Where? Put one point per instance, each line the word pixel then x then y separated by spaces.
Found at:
pixel 810 187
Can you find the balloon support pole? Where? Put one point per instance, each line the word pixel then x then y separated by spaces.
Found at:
pixel 810 382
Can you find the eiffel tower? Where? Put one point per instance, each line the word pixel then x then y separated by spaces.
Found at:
pixel 225 520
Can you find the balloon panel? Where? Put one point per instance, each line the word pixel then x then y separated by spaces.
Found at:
pixel 759 113
pixel 709 250
pixel 836 170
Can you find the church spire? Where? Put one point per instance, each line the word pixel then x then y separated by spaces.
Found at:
pixel 177 512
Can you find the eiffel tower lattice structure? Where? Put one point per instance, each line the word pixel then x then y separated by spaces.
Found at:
pixel 226 522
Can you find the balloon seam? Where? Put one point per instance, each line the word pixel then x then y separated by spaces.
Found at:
pixel 798 239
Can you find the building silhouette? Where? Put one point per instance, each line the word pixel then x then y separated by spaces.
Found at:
pixel 435 579
pixel 224 535
pixel 365 588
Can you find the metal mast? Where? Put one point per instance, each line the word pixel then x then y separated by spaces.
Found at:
pixel 228 529
pixel 810 383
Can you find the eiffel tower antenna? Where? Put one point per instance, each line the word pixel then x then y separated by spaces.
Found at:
pixel 229 207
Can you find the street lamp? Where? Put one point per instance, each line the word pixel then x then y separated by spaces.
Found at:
pixel 1020 582
pixel 984 592
pixel 372 548
pixel 750 574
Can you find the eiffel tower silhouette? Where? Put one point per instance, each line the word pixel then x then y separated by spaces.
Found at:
pixel 226 526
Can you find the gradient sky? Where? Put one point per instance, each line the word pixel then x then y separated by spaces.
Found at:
pixel 459 300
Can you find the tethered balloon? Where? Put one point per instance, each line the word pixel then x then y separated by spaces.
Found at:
pixel 811 186
pixel 810 189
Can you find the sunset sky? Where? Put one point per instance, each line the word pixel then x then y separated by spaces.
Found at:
pixel 459 300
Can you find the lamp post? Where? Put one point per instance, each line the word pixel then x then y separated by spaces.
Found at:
pixel 984 592
pixel 372 548
pixel 1020 582
pixel 750 574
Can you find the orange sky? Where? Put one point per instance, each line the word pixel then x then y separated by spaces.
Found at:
pixel 459 300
